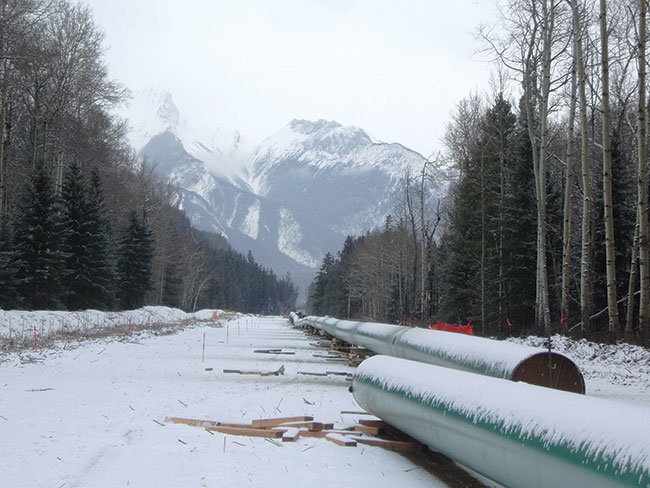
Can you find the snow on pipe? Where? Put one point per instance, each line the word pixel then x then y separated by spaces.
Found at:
pixel 488 357
pixel 516 434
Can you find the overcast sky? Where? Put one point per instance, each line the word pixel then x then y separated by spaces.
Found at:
pixel 395 68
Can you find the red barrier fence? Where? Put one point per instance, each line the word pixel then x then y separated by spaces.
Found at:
pixel 460 329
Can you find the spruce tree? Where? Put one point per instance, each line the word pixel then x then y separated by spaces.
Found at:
pixel 78 278
pixel 39 238
pixel 135 255
pixel 9 298
pixel 99 246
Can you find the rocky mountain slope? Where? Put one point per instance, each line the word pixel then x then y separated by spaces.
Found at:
pixel 290 199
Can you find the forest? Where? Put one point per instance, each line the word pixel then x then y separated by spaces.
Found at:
pixel 534 217
pixel 84 223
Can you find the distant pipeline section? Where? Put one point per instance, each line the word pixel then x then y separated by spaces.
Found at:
pixel 516 434
pixel 487 357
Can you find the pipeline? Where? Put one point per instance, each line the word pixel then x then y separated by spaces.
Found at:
pixel 488 357
pixel 515 434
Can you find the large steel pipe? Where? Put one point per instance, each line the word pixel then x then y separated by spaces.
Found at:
pixel 516 434
pixel 458 351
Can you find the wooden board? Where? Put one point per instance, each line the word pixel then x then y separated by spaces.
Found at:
pixel 267 423
pixel 374 423
pixel 397 446
pixel 308 373
pixel 340 440
pixel 291 435
pixel 273 351
pixel 249 432
pixel 204 423
pixel 313 426
pixel 366 429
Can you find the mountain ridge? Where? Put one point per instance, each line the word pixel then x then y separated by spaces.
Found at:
pixel 289 199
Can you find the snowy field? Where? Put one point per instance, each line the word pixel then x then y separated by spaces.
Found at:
pixel 92 413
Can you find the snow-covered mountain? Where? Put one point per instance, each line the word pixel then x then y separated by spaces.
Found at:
pixel 224 152
pixel 338 175
pixel 289 200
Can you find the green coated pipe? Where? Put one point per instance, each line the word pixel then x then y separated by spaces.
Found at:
pixel 516 434
pixel 488 357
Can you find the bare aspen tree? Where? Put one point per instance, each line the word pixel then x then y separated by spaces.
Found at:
pixel 531 48
pixel 642 187
pixel 587 191
pixel 610 246
pixel 631 286
pixel 547 22
pixel 567 225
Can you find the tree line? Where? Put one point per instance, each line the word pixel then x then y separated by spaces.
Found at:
pixel 83 222
pixel 543 226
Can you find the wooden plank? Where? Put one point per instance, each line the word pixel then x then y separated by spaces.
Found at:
pixel 192 422
pixel 313 426
pixel 291 435
pixel 340 440
pixel 397 446
pixel 339 373
pixel 307 373
pixel 273 351
pixel 310 433
pixel 266 423
pixel 249 432
pixel 374 423
pixel 204 423
pixel 277 372
pixel 366 429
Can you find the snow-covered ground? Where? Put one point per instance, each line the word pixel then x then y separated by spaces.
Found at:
pixel 620 372
pixel 91 413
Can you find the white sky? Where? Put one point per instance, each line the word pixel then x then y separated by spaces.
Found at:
pixel 395 68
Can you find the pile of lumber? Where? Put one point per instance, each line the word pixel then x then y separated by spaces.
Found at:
pixel 289 429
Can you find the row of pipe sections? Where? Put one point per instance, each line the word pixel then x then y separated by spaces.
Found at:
pixel 448 391
pixel 487 357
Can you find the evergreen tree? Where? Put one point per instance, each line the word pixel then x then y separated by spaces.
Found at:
pixel 319 301
pixel 134 263
pixel 89 274
pixel 9 298
pixel 100 247
pixel 77 279
pixel 39 238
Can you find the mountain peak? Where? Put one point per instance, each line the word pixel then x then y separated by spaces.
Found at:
pixel 167 110
pixel 303 126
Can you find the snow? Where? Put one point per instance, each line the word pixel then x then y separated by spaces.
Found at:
pixel 326 144
pixel 289 239
pixel 19 325
pixel 225 152
pixel 604 429
pixel 620 371
pixel 85 413
pixel 251 224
